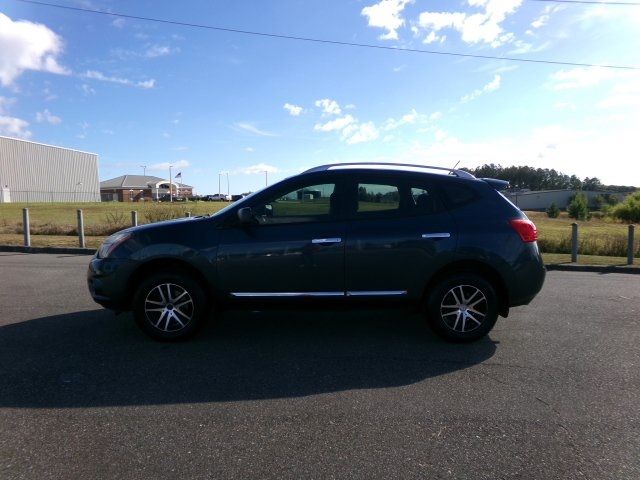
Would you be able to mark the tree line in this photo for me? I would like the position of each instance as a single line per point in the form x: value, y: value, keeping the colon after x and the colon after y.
x: 543, y: 179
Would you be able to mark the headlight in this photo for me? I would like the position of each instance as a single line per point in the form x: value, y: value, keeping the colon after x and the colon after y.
x: 110, y: 244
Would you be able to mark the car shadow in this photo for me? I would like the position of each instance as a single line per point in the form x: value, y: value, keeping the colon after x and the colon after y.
x: 94, y: 358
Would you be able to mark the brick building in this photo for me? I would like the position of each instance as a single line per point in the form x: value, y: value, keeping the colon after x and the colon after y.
x: 136, y: 188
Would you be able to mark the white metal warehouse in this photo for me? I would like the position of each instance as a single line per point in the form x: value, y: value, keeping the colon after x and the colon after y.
x: 34, y: 172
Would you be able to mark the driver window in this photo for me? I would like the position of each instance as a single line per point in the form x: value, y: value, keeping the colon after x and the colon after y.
x: 306, y: 204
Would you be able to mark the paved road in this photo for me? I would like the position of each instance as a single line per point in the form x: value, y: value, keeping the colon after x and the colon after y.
x: 553, y: 393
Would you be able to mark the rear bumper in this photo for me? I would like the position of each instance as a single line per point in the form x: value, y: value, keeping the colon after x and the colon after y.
x: 528, y: 278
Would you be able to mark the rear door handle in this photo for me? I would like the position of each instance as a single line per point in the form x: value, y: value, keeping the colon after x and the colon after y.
x: 436, y: 235
x: 326, y: 241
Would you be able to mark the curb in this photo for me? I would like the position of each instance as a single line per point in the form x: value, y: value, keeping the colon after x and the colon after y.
x: 63, y: 250
x: 593, y: 268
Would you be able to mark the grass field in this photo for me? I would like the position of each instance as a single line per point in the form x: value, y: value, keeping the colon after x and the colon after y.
x: 54, y: 224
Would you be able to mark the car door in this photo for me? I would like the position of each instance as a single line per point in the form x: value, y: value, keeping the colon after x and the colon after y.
x: 397, y: 236
x: 294, y: 248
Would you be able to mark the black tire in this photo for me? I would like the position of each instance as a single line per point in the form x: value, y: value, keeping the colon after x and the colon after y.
x: 469, y: 318
x: 183, y: 313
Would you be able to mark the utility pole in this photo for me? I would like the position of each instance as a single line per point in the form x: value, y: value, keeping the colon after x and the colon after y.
x: 170, y: 185
x: 219, y: 190
x: 144, y: 171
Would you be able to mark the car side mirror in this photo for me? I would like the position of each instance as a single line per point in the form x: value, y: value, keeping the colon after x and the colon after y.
x: 246, y: 216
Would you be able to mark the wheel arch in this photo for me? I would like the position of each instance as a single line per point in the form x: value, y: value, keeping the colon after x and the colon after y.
x: 476, y: 267
x: 160, y: 265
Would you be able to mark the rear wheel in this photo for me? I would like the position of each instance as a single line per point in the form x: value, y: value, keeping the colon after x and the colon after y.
x: 462, y: 308
x: 169, y: 306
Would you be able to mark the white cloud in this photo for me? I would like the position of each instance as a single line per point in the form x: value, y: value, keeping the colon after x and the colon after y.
x: 336, y: 124
x: 155, y: 51
x: 27, y: 46
x: 249, y: 149
x: 294, y: 110
x: 96, y: 75
x: 164, y: 166
x: 492, y: 86
x: 329, y: 107
x: 48, y: 117
x: 625, y: 94
x: 581, y: 77
x: 258, y: 168
x: 564, y: 106
x: 249, y: 127
x: 410, y: 118
x: 5, y: 103
x: 87, y: 89
x: 360, y: 132
x: 14, y: 127
x: 386, y: 14
x: 483, y: 27
x: 119, y: 22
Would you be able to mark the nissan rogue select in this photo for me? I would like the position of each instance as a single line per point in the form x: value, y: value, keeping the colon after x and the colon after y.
x: 439, y: 239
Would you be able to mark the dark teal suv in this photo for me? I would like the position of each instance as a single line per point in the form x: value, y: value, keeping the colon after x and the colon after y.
x: 439, y: 239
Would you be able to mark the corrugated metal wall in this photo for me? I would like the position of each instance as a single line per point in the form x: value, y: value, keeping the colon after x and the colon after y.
x: 42, y: 173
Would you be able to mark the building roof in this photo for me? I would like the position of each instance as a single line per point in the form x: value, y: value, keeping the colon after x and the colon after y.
x: 137, y: 181
x: 46, y: 145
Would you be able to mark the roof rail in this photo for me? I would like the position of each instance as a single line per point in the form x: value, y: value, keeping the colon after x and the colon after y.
x: 451, y: 171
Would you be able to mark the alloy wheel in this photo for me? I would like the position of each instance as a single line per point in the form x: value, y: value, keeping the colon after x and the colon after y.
x: 169, y: 307
x: 464, y: 308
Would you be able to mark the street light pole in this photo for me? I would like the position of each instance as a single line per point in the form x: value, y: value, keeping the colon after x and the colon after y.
x: 144, y: 170
x: 266, y: 178
x: 170, y: 185
x: 228, y: 189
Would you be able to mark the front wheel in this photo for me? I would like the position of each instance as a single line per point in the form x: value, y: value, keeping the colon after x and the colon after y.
x: 462, y: 308
x: 169, y: 306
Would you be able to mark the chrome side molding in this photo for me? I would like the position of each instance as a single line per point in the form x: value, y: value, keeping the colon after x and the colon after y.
x: 358, y: 293
x: 436, y: 235
x: 286, y: 294
x: 326, y: 241
x: 376, y: 293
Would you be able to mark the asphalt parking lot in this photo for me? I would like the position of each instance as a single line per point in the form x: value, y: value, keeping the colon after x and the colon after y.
x: 554, y: 392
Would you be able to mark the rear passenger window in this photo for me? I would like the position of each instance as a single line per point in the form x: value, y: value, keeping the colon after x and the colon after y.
x: 377, y: 197
x: 458, y: 195
x: 422, y: 201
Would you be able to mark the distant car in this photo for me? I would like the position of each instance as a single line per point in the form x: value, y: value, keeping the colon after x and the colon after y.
x: 452, y: 245
x: 219, y: 197
x: 165, y: 197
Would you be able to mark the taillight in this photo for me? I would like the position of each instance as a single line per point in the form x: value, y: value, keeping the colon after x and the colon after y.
x: 525, y: 228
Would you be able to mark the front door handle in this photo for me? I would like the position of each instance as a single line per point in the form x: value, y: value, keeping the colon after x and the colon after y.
x: 326, y: 241
x: 436, y: 235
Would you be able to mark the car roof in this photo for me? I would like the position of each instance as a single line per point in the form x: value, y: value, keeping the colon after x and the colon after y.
x: 386, y: 166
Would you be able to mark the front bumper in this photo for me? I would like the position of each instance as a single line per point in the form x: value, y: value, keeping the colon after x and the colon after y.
x: 108, y: 282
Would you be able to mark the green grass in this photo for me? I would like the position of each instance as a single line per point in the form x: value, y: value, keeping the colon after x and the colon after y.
x: 558, y: 258
x: 99, y: 218
x: 53, y: 224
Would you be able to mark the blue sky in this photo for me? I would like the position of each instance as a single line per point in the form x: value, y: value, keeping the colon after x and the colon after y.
x: 142, y: 93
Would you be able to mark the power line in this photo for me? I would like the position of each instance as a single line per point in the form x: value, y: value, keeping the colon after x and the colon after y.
x: 590, y: 2
x: 326, y: 41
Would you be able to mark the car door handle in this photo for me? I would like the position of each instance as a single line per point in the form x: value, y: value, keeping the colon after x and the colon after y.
x: 326, y: 241
x: 436, y: 235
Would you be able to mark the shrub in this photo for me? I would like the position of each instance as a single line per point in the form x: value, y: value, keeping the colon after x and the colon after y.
x: 629, y: 210
x: 163, y: 211
x: 578, y: 208
x: 553, y: 211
